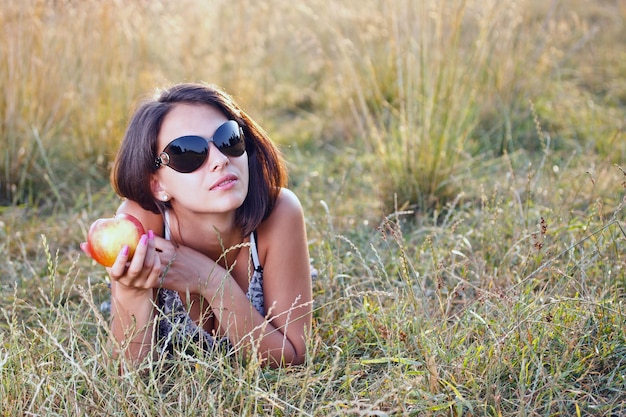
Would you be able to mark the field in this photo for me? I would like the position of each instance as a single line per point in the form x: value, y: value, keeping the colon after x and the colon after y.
x: 462, y: 165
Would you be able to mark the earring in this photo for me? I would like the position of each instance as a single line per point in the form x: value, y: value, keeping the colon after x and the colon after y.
x: 165, y: 198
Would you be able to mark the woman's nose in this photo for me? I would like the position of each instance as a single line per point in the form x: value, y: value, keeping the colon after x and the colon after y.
x: 217, y: 159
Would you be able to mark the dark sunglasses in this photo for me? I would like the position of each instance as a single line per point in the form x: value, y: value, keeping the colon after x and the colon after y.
x: 188, y: 153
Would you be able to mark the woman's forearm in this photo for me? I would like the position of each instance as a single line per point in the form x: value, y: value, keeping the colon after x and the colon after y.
x: 247, y: 329
x: 132, y: 315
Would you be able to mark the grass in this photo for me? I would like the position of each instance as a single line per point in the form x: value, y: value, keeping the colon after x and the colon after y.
x: 486, y: 279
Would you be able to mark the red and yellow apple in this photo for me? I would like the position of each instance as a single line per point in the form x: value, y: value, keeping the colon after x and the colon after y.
x: 107, y: 237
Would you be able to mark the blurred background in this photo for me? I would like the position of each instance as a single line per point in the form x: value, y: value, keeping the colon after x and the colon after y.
x: 381, y: 103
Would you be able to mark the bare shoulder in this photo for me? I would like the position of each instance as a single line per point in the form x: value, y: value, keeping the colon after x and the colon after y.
x: 150, y: 220
x: 287, y: 207
x: 286, y: 218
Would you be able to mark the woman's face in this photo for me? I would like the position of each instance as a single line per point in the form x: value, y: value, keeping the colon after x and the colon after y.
x: 220, y: 185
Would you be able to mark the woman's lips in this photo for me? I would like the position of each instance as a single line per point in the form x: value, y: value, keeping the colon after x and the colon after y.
x: 224, y: 183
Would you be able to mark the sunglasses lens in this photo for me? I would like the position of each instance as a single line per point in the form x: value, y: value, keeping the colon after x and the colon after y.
x: 187, y: 153
x: 229, y: 139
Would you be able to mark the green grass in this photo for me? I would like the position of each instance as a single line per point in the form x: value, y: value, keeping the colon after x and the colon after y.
x: 486, y: 279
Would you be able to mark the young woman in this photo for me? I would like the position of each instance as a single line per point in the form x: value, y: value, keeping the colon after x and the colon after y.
x: 225, y: 259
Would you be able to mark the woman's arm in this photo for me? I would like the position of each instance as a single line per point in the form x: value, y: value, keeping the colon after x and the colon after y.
x: 287, y: 279
x: 132, y: 298
x: 132, y: 294
x: 132, y: 287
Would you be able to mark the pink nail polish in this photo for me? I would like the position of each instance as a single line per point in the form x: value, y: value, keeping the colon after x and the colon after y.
x: 144, y: 240
x: 125, y: 250
x: 150, y: 234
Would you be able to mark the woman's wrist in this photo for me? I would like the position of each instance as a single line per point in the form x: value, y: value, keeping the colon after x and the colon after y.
x: 123, y: 293
x: 218, y: 280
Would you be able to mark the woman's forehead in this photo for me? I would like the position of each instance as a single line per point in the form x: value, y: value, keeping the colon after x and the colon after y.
x: 190, y: 119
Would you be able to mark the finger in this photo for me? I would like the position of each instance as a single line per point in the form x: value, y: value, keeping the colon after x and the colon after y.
x: 154, y: 278
x: 85, y: 247
x: 119, y: 266
x: 165, y: 246
x: 141, y: 257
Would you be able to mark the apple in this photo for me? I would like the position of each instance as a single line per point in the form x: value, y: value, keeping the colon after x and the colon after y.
x: 107, y: 237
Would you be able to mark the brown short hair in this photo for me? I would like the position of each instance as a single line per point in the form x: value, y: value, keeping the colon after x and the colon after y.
x: 135, y: 159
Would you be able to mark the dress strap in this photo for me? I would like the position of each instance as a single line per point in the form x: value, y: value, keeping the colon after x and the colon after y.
x: 166, y: 232
x: 255, y: 253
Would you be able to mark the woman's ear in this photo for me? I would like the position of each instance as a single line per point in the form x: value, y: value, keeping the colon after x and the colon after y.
x: 158, y: 192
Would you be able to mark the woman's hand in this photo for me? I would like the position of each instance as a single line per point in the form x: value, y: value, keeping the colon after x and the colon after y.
x: 140, y: 273
x: 184, y: 269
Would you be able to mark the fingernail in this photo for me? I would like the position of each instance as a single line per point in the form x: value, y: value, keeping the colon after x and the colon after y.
x: 125, y: 250
x: 150, y: 234
x: 144, y: 240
